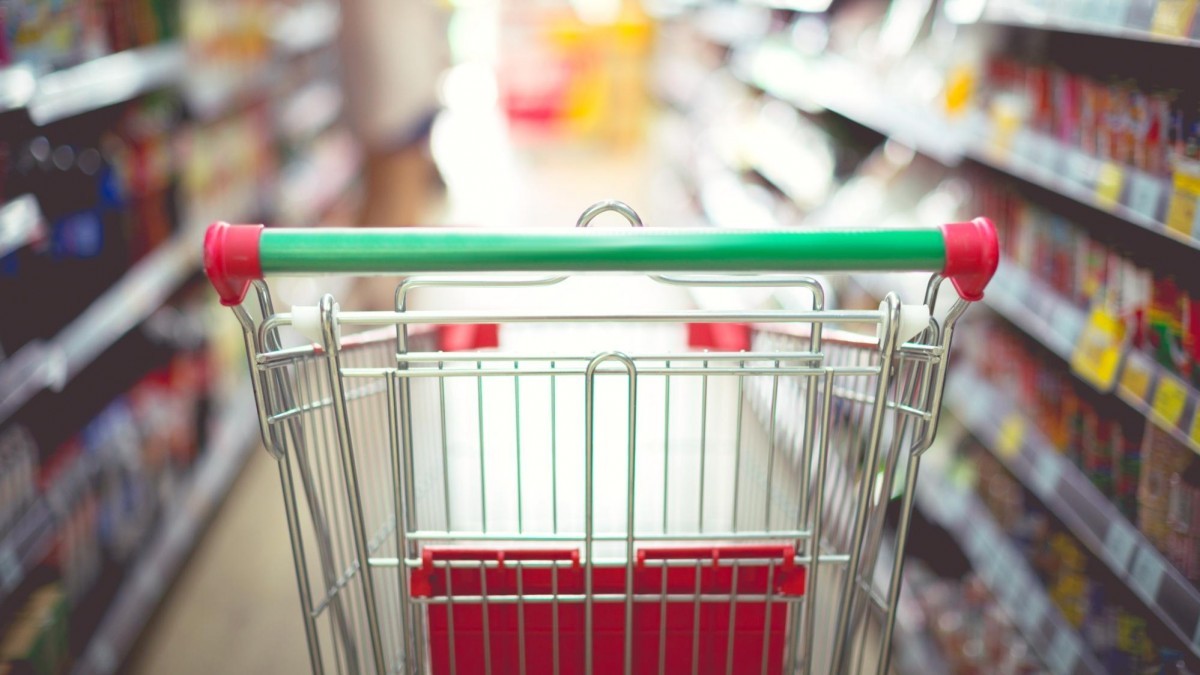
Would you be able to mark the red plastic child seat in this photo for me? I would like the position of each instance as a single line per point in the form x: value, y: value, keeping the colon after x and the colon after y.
x: 758, y: 632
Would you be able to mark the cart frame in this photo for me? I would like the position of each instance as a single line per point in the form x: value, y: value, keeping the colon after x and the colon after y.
x: 346, y: 419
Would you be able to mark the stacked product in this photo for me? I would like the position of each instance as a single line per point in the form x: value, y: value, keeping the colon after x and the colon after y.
x: 49, y: 36
x: 1098, y: 605
x: 1160, y: 308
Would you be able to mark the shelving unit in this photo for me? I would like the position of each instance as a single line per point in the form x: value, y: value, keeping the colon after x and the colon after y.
x: 20, y: 223
x: 233, y: 438
x: 1027, y: 15
x: 1163, y: 398
x: 107, y: 80
x: 298, y: 33
x: 1139, y: 200
x: 1133, y: 196
x: 143, y: 289
x: 1068, y: 493
x: 91, y: 85
x: 1004, y: 571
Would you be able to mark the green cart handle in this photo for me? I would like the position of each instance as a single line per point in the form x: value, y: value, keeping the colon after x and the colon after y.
x: 234, y: 255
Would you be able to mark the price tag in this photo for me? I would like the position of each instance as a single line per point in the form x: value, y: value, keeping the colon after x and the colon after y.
x: 1016, y: 286
x: 1147, y: 574
x: 1097, y: 354
x: 1005, y: 127
x: 1029, y: 612
x: 1146, y: 194
x: 1043, y: 305
x: 1119, y: 543
x: 1170, y: 399
x: 1046, y: 152
x: 1069, y: 323
x: 979, y: 541
x: 1141, y: 14
x: 1182, y: 211
x: 1117, y: 11
x: 1136, y: 377
x: 1012, y: 590
x: 10, y: 569
x: 1022, y: 145
x: 1081, y: 168
x: 1173, y: 17
x: 1063, y: 653
x: 1047, y: 470
x: 1011, y: 436
x: 1109, y: 181
x: 979, y: 402
x: 1195, y: 433
x: 102, y: 657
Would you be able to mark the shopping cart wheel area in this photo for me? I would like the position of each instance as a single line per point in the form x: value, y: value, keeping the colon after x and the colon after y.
x: 669, y: 491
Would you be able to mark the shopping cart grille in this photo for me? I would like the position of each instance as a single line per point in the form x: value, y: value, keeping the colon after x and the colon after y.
x: 484, y: 452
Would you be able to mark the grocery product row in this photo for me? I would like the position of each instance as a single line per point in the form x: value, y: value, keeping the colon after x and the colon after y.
x: 1083, y: 380
x: 78, y: 58
x: 1063, y: 111
x: 127, y: 127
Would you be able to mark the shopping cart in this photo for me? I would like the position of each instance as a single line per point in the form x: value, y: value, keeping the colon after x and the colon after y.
x: 678, y: 491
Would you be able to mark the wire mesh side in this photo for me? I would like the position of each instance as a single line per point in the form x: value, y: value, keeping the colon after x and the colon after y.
x: 728, y: 449
x: 317, y: 501
x: 905, y: 418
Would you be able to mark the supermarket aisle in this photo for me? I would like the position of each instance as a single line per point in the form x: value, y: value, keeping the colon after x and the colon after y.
x: 234, y: 607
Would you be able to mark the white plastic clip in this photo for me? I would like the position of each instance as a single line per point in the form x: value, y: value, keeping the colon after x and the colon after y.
x: 913, y: 320
x: 306, y: 319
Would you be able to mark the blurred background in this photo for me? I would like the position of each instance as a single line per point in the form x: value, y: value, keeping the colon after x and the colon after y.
x: 1058, y: 521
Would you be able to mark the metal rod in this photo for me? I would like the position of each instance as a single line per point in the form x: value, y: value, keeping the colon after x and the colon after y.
x: 350, y: 474
x: 814, y: 570
x: 589, y: 488
x: 841, y: 636
x: 295, y: 537
x: 398, y: 496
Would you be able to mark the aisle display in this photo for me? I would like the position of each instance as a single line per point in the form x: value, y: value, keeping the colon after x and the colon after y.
x: 122, y: 408
x: 1060, y: 532
x: 1082, y: 389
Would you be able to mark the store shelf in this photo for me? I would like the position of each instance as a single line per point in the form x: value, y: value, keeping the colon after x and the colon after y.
x: 1131, y: 195
x: 1163, y: 398
x: 24, y: 545
x: 21, y: 222
x: 993, y: 419
x: 1122, y: 191
x: 97, y: 83
x: 310, y: 110
x: 1017, y: 589
x: 52, y: 363
x: 309, y: 187
x: 308, y: 26
x: 820, y: 84
x: 1036, y: 309
x: 18, y: 84
x: 182, y: 523
x: 915, y: 653
x: 1025, y: 15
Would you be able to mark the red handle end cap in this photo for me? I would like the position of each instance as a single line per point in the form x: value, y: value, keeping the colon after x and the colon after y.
x: 231, y: 259
x: 972, y: 255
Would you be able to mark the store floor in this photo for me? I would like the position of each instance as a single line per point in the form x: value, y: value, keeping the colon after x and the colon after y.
x: 234, y: 608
